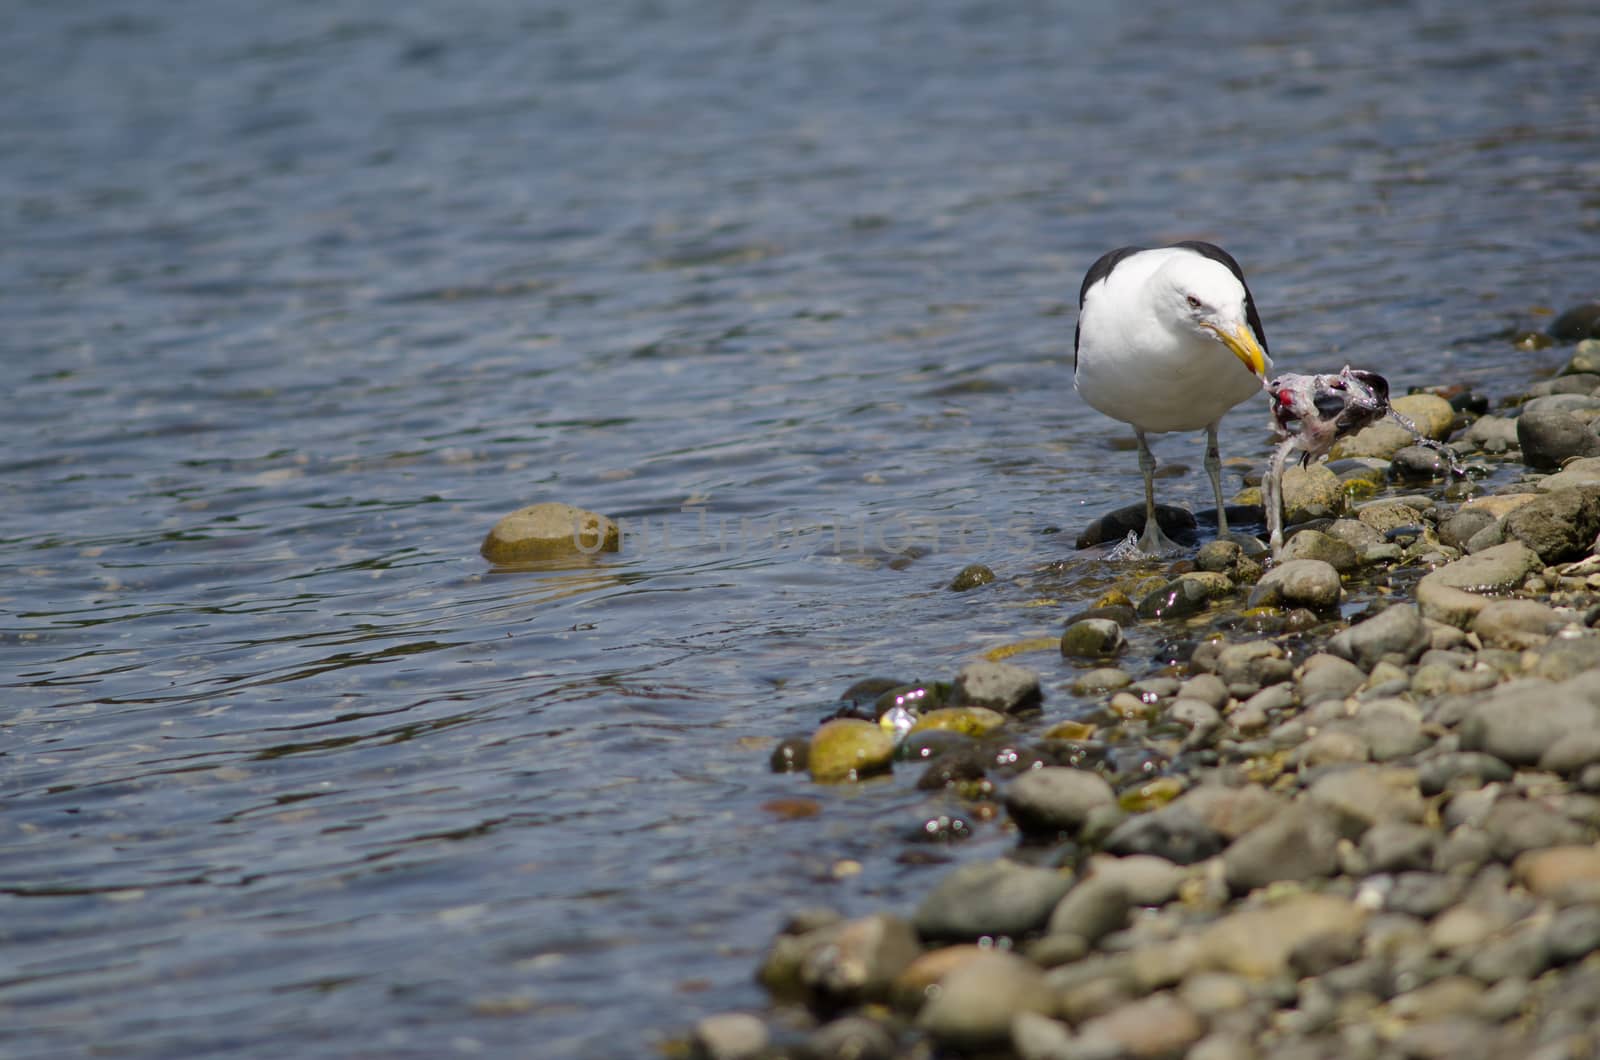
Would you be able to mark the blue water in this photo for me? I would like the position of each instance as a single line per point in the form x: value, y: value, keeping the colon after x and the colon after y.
x: 297, y: 299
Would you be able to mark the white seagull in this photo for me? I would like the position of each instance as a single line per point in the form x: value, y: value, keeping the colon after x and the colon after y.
x: 1168, y: 340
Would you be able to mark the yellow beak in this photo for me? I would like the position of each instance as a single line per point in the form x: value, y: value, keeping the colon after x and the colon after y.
x: 1242, y: 341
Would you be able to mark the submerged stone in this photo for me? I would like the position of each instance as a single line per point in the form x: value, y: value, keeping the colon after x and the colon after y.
x: 1093, y: 638
x: 549, y: 531
x: 849, y: 749
x: 971, y: 576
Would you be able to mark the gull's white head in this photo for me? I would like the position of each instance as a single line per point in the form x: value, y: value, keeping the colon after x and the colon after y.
x: 1198, y: 296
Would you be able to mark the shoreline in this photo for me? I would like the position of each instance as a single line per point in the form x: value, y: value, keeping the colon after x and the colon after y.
x: 1353, y: 813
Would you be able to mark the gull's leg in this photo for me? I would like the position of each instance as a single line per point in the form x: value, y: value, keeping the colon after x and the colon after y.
x: 1152, y: 542
x: 1214, y: 469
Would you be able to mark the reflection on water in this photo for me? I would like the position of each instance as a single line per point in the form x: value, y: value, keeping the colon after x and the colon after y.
x: 299, y: 300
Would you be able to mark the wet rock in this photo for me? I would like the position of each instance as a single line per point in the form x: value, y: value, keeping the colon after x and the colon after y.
x: 1056, y: 799
x: 1389, y: 515
x: 549, y: 531
x: 977, y: 1002
x: 967, y: 721
x: 790, y: 755
x: 1218, y: 556
x: 1093, y: 638
x: 1186, y: 595
x: 1549, y: 436
x: 1448, y: 594
x: 990, y: 898
x: 1152, y: 1028
x: 729, y: 1036
x: 1580, y: 322
x: 1257, y: 943
x: 1173, y: 832
x: 1520, y: 723
x: 1490, y: 434
x: 1114, y: 526
x: 1298, y: 583
x: 1584, y: 471
x: 849, y: 749
x: 1558, y: 526
x: 1313, y: 544
x: 1396, y: 634
x: 1099, y: 680
x: 1586, y: 358
x: 852, y: 1037
x: 1311, y: 493
x: 1300, y: 843
x: 1516, y: 624
x: 1093, y: 909
x: 971, y: 576
x: 837, y: 962
x: 952, y: 768
x: 998, y: 686
x: 1381, y: 440
x: 870, y: 689
x: 1431, y: 414
x: 1418, y: 463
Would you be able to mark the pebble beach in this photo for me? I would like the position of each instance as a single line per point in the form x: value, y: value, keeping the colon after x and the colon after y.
x: 1347, y: 809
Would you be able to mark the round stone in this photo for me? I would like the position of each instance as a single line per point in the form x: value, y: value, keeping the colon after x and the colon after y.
x: 549, y: 531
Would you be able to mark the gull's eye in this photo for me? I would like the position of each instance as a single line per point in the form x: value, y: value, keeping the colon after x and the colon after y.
x: 1194, y: 303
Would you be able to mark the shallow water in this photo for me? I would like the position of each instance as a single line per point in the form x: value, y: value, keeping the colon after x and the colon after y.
x: 297, y: 300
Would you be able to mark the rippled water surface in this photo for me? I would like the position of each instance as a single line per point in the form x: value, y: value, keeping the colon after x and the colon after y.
x: 296, y: 299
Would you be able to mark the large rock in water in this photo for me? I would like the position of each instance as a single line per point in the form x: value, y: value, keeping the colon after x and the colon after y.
x: 550, y: 530
x: 1177, y: 523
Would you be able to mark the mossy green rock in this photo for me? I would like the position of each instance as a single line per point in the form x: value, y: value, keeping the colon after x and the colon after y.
x: 972, y: 576
x: 1093, y: 638
x: 970, y: 721
x: 549, y: 530
x: 849, y: 749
